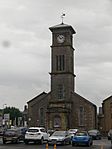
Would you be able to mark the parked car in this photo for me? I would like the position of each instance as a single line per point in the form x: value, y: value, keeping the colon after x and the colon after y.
x: 50, y: 131
x: 36, y: 134
x: 95, y: 134
x: 60, y: 137
x: 12, y: 135
x: 109, y: 134
x: 72, y: 132
x: 22, y: 131
x: 82, y: 138
x: 1, y: 132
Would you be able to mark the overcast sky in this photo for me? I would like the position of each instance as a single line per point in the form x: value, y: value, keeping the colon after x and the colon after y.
x: 25, y: 42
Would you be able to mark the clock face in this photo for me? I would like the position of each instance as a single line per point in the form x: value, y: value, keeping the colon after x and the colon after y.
x: 60, y: 38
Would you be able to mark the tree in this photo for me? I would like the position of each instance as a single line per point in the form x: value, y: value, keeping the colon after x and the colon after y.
x: 14, y: 113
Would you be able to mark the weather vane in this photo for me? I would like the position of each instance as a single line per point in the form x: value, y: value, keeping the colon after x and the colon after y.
x: 62, y: 17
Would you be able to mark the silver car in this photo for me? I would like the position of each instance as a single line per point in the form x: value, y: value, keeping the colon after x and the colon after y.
x: 60, y: 137
x: 109, y: 134
x: 95, y: 134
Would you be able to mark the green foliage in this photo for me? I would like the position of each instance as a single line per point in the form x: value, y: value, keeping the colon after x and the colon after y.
x: 14, y: 112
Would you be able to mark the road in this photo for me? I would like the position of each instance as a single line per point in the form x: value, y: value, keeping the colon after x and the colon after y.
x: 97, y: 144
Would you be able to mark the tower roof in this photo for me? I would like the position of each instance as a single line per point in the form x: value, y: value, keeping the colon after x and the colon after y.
x: 62, y: 25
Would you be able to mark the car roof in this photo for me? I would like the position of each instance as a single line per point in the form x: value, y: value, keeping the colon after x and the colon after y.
x: 81, y: 131
x: 36, y: 128
x: 93, y: 130
x: 60, y: 131
x: 73, y: 129
x: 110, y: 130
x: 11, y: 129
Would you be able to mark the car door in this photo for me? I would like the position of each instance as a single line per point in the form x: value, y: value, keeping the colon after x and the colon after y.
x: 67, y: 137
x: 45, y: 134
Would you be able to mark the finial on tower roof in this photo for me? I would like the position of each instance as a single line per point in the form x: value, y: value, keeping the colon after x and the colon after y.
x: 62, y: 17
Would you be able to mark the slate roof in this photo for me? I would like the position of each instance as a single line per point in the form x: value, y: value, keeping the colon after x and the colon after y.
x: 62, y: 25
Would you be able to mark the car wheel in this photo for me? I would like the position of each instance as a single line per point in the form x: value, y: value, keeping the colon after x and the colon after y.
x: 73, y: 144
x: 42, y: 140
x: 69, y: 142
x: 26, y: 142
x: 4, y: 142
x: 17, y: 140
x: 109, y: 138
x: 63, y: 143
x: 35, y: 142
x: 97, y: 138
x: 89, y: 143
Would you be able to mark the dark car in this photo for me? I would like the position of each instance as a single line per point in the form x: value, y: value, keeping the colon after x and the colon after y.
x: 12, y: 135
x: 82, y: 138
x: 95, y: 134
x: 1, y: 132
x: 22, y: 132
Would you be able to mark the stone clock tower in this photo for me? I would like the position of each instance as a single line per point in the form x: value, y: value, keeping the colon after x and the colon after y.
x: 62, y: 76
x: 62, y: 108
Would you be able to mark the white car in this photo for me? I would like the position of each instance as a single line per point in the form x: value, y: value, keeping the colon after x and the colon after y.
x: 36, y: 134
x: 72, y: 132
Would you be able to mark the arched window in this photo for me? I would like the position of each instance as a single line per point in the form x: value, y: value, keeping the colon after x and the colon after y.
x: 42, y: 117
x: 60, y: 91
x: 57, y: 121
x: 81, y: 116
x: 60, y: 62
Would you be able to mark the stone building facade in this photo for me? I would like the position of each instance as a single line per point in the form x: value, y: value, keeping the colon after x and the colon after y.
x: 62, y: 107
x: 105, y: 118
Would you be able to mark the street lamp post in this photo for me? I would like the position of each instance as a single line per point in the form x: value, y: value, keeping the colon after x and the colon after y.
x: 3, y: 120
x: 29, y: 121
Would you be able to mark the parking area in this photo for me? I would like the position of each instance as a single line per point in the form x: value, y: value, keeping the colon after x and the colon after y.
x: 97, y: 144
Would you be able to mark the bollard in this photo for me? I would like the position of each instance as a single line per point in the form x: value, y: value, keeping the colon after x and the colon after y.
x: 102, y: 146
x: 47, y: 146
x: 54, y: 146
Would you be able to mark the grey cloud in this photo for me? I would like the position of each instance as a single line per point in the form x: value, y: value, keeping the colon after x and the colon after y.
x: 25, y: 62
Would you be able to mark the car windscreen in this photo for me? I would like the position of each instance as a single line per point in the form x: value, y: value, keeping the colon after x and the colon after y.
x: 42, y: 130
x: 59, y: 133
x: 10, y: 132
x: 92, y: 132
x: 81, y: 134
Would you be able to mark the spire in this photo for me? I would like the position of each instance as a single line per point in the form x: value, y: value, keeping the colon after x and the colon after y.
x: 62, y: 17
